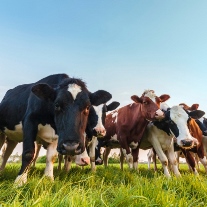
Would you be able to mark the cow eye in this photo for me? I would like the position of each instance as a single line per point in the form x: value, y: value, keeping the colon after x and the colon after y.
x: 86, y: 111
x: 57, y: 107
x: 145, y: 102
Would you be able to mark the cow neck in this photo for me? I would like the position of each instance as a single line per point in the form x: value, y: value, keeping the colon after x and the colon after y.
x: 195, y: 131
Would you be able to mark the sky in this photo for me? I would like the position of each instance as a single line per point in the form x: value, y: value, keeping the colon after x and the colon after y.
x: 124, y: 47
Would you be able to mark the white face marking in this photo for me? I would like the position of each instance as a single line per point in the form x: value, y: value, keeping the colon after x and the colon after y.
x: 150, y: 94
x: 74, y: 89
x: 47, y: 133
x: 99, y: 127
x: 180, y: 118
x: 17, y: 134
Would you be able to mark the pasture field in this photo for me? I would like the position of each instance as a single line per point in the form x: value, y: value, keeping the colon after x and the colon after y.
x: 106, y: 187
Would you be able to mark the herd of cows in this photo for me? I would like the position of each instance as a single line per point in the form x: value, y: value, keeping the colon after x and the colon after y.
x: 62, y: 115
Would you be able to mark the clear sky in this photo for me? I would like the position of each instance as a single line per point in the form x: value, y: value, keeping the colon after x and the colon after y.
x: 122, y: 46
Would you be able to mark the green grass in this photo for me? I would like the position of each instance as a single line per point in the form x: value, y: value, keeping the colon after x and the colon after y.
x: 106, y: 187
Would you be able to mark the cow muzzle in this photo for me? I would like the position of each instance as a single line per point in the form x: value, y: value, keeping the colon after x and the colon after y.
x: 187, y: 144
x: 69, y: 148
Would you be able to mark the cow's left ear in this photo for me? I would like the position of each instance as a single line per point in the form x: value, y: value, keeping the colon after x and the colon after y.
x: 112, y: 106
x: 44, y: 92
x: 197, y: 114
x: 99, y: 97
x: 164, y: 97
x: 136, y: 99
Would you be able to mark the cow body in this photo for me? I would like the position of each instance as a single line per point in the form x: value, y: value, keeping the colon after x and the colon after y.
x: 54, y: 112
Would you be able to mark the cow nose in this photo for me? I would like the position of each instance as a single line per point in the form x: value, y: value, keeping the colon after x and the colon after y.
x: 71, y: 148
x: 100, y: 131
x: 186, y: 143
x: 159, y: 114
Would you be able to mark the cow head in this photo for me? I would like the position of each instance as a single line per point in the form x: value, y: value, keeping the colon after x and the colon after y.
x: 151, y: 104
x: 96, y: 120
x: 200, y: 120
x: 180, y: 123
x: 71, y: 106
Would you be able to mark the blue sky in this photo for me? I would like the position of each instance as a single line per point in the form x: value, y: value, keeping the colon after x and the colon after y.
x: 123, y: 46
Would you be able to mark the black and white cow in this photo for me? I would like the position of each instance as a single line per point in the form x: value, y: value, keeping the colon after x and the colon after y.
x: 53, y: 111
x: 95, y: 131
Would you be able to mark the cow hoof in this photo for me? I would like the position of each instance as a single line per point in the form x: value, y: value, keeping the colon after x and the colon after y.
x: 20, y: 180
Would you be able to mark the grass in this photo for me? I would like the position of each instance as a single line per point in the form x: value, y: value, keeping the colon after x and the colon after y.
x: 106, y: 187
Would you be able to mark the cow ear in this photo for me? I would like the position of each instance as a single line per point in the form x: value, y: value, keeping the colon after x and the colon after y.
x: 194, y: 106
x: 197, y: 114
x: 136, y: 99
x: 99, y: 97
x: 112, y: 106
x: 44, y: 92
x: 164, y: 97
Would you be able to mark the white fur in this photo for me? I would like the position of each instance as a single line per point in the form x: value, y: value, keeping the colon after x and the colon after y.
x: 180, y: 117
x: 115, y: 114
x: 99, y: 127
x: 74, y: 89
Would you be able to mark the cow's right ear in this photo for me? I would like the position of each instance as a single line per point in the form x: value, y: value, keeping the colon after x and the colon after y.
x: 44, y: 92
x: 136, y: 99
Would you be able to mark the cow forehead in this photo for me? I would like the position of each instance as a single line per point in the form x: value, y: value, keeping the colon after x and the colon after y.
x: 74, y: 89
x: 150, y: 94
x: 178, y: 113
x: 98, y: 109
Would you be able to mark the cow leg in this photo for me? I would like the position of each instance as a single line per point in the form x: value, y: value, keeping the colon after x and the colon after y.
x: 173, y: 162
x: 201, y: 156
x: 106, y: 155
x: 92, y: 147
x: 154, y: 159
x: 190, y: 160
x: 135, y: 153
x: 2, y: 139
x: 9, y: 147
x: 50, y: 159
x: 60, y: 158
x: 149, y: 158
x: 121, y: 160
x: 126, y: 151
x: 197, y: 161
x: 67, y: 163
x: 163, y: 159
x: 37, y: 151
x: 29, y: 132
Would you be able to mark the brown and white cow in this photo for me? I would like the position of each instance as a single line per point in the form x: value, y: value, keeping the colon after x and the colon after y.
x: 197, y: 131
x: 127, y: 124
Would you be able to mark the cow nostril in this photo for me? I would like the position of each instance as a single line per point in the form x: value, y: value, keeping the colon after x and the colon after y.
x: 186, y: 143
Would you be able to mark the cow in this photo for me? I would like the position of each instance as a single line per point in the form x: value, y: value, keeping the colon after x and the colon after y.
x: 160, y: 135
x: 53, y: 111
x: 94, y: 132
x: 128, y: 123
x: 198, y: 130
